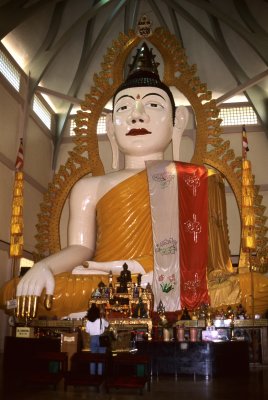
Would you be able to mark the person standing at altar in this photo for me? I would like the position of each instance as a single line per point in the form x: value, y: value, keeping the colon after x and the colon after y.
x: 95, y: 326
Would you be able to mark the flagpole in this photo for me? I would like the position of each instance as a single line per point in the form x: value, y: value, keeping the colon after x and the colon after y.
x: 13, y: 267
x: 248, y: 241
x: 16, y: 226
x: 248, y: 224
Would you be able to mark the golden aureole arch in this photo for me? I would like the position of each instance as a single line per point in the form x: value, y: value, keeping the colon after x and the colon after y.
x: 210, y: 147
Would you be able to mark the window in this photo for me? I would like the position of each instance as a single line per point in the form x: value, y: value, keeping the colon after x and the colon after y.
x: 25, y: 262
x: 42, y: 112
x: 72, y: 127
x: 25, y: 265
x: 240, y: 115
x: 9, y: 71
x: 101, y: 127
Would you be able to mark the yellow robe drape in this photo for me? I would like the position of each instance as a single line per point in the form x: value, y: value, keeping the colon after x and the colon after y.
x: 124, y: 232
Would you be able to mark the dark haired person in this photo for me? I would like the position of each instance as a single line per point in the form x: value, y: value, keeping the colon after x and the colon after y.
x: 95, y: 326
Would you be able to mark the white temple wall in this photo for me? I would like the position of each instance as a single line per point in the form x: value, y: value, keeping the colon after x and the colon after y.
x: 5, y: 275
x: 38, y: 150
x: 6, y: 178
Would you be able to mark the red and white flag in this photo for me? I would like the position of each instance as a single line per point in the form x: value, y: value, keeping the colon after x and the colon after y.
x: 245, y: 142
x: 19, y: 160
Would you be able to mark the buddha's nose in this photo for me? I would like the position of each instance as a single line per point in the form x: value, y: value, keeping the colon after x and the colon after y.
x: 138, y: 114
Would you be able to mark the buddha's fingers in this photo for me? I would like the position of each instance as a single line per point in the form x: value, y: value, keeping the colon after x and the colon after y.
x: 32, y: 306
x: 48, y: 301
x: 18, y: 306
x: 26, y: 306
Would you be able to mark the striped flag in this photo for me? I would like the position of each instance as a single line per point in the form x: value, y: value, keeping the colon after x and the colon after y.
x: 245, y: 142
x: 16, y: 223
x: 19, y: 160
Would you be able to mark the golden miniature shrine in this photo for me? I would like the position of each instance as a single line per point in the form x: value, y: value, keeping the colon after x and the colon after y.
x: 126, y: 304
x: 125, y: 298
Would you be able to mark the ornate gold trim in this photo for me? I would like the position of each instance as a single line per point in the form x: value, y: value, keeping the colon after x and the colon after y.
x: 210, y: 147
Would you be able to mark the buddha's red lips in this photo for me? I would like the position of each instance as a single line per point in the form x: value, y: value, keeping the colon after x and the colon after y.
x: 137, y: 132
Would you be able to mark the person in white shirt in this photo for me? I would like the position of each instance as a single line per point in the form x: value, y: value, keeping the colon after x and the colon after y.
x: 95, y: 326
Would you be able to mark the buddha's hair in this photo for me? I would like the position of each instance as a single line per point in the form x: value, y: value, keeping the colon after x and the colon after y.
x: 146, y: 79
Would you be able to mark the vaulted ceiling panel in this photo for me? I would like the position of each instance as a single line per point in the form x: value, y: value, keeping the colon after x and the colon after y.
x: 62, y: 42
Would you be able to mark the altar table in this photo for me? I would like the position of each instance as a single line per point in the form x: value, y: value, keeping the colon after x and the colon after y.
x: 207, y: 359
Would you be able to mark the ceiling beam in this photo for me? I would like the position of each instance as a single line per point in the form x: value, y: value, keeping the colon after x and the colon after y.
x: 52, y: 30
x: 54, y: 93
x: 130, y: 14
x: 14, y: 12
x: 82, y: 71
x: 175, y: 25
x: 40, y: 64
x: 258, y: 40
x: 247, y: 17
x: 158, y: 13
x: 255, y: 95
x: 242, y: 87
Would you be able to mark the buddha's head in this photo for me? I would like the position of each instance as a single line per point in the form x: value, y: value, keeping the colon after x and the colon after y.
x: 143, y: 109
x: 143, y: 73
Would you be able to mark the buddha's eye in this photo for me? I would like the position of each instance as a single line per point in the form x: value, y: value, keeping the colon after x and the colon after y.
x: 123, y: 108
x: 153, y: 105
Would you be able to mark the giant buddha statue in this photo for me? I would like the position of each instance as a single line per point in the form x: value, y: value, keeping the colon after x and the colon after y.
x: 156, y: 216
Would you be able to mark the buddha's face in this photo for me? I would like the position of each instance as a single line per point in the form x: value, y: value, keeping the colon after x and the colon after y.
x: 142, y: 120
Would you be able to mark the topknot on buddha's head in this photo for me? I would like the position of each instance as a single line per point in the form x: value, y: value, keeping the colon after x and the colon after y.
x: 143, y: 72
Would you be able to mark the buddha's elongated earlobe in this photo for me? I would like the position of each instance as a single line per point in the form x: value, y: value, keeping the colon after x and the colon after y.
x: 181, y: 120
x: 111, y: 137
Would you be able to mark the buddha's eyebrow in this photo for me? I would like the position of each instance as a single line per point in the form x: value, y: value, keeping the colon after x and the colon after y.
x: 125, y: 95
x: 154, y: 94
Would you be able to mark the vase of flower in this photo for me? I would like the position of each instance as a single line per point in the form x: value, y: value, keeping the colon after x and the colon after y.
x: 180, y: 333
x: 193, y: 334
x: 166, y: 335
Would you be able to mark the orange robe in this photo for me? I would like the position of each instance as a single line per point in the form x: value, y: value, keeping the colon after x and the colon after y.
x: 124, y: 232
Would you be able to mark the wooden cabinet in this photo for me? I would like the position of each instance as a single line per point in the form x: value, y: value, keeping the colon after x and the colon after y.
x: 197, y: 358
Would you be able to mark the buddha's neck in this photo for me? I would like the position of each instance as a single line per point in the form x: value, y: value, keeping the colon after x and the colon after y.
x: 138, y: 162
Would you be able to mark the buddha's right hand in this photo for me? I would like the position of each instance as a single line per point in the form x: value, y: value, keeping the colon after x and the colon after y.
x: 30, y: 287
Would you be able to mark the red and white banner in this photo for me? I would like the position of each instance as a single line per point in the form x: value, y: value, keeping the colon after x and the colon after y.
x: 244, y: 142
x: 19, y: 160
x: 179, y: 209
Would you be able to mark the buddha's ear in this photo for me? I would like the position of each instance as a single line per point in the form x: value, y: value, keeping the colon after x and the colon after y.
x: 180, y: 123
x: 111, y: 137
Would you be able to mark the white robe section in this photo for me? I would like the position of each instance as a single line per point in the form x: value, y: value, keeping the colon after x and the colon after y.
x: 163, y: 191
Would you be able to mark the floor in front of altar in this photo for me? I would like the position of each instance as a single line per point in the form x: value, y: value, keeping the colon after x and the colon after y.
x: 254, y: 386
